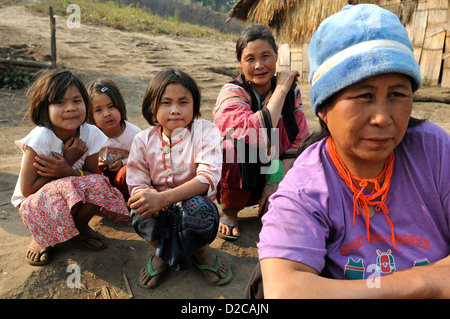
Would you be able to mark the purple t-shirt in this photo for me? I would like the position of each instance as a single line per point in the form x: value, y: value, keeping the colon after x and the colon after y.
x: 310, y: 218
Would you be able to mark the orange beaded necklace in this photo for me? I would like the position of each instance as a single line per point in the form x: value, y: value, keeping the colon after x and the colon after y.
x: 361, y: 201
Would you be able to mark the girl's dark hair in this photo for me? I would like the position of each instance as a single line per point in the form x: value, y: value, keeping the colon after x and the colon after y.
x: 251, y: 33
x: 110, y: 88
x: 157, y: 86
x: 49, y: 87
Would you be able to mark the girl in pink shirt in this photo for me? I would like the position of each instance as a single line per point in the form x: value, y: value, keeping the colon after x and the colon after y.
x: 173, y: 170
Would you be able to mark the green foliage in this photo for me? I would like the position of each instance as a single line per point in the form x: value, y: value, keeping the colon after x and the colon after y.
x: 176, y: 16
x: 218, y: 5
x: 131, y: 17
x: 195, y: 12
x: 8, y: 2
x: 14, y: 78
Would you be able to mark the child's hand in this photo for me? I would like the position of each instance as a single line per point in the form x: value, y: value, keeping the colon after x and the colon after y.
x: 147, y: 202
x: 74, y: 149
x: 115, y: 166
x: 53, y: 167
x: 102, y: 163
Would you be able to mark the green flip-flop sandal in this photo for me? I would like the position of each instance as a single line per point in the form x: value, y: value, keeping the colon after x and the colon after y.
x: 152, y: 272
x: 215, y: 270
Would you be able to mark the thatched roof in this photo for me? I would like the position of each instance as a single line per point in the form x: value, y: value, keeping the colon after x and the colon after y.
x: 295, y: 21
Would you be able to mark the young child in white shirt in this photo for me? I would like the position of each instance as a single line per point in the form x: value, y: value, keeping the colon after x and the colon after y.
x: 108, y: 112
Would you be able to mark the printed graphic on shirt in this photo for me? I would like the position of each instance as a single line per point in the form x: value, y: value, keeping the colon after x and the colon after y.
x: 385, y: 262
x: 354, y: 270
x: 374, y: 237
x: 421, y: 262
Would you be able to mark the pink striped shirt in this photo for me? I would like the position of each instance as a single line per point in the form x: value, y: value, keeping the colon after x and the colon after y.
x: 233, y: 115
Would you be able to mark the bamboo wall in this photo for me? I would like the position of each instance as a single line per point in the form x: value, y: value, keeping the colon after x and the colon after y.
x: 428, y: 25
x: 294, y: 58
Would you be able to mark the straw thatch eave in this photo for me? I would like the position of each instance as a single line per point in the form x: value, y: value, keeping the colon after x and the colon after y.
x: 295, y: 21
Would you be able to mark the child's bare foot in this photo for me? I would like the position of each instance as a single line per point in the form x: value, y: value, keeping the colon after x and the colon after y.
x: 228, y: 225
x: 212, y: 267
x: 35, y: 255
x: 152, y: 275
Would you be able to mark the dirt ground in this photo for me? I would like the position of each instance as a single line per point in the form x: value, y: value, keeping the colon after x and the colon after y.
x: 130, y: 59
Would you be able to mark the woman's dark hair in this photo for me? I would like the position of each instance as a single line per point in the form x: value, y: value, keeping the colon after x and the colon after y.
x: 110, y: 88
x: 158, y: 85
x: 49, y: 87
x: 251, y: 33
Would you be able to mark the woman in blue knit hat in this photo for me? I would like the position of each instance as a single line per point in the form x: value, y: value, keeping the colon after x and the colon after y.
x: 368, y: 200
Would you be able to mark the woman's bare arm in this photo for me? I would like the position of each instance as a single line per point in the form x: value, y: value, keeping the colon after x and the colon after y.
x: 289, y: 279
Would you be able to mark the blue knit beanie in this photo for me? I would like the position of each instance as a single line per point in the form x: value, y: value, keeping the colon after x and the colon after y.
x: 358, y: 42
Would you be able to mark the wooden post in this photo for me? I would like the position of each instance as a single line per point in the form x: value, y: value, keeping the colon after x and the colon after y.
x: 53, y: 36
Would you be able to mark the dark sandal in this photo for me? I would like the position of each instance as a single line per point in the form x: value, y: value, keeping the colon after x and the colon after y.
x: 225, y: 236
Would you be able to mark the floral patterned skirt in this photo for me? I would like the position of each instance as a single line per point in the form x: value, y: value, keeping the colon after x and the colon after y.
x: 48, y: 212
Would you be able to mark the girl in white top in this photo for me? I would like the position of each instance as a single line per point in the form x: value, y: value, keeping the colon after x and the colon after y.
x: 108, y: 112
x: 58, y: 190
x: 173, y: 171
